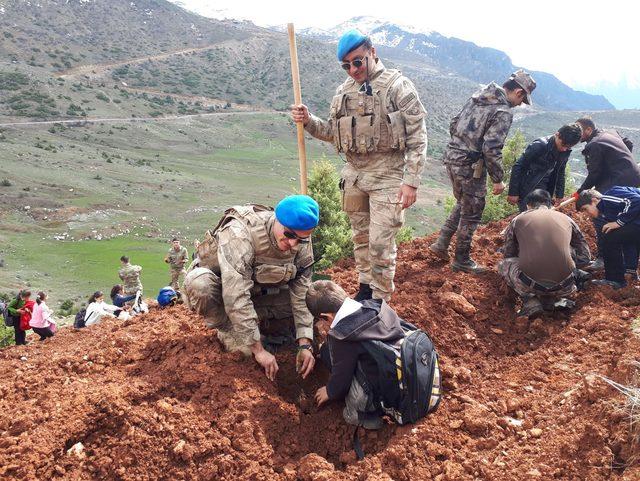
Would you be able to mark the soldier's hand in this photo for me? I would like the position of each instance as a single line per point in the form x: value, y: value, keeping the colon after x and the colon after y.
x: 268, y: 362
x: 300, y: 113
x: 513, y: 199
x: 305, y: 362
x: 407, y: 195
x: 498, y: 188
x: 321, y: 396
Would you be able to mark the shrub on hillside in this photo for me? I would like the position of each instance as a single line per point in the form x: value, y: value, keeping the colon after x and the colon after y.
x: 332, y: 238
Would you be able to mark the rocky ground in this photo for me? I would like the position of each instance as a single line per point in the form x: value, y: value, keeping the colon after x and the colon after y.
x: 156, y: 398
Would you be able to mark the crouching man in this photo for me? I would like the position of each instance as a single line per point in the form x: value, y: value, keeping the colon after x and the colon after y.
x: 618, y: 211
x: 539, y: 249
x: 253, y: 267
x: 366, y: 348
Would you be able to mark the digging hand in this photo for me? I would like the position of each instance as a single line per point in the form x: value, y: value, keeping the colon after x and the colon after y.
x: 267, y: 361
x: 321, y: 396
x: 304, y: 362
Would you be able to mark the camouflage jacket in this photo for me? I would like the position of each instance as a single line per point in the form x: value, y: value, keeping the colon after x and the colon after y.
x: 247, y: 269
x: 481, y: 127
x: 177, y: 259
x: 130, y: 276
x: 392, y: 142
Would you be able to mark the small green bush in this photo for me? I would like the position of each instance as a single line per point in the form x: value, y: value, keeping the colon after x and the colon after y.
x: 332, y: 238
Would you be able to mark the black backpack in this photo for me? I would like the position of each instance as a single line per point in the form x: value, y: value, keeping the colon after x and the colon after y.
x: 409, y: 383
x: 8, y: 319
x: 78, y: 322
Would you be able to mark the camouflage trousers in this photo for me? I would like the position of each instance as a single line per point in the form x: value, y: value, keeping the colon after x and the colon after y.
x: 510, y: 272
x: 132, y: 289
x: 203, y: 295
x: 465, y: 217
x: 376, y: 215
x: 176, y: 272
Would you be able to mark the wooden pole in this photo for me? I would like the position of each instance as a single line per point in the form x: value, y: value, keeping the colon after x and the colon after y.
x: 565, y: 203
x: 297, y: 96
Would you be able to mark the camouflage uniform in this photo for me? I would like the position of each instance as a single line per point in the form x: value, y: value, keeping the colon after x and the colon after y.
x: 130, y: 276
x: 177, y: 259
x: 384, y: 138
x: 241, y: 279
x: 479, y: 130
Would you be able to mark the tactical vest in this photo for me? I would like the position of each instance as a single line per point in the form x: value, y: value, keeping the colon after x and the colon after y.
x: 363, y: 123
x: 271, y: 267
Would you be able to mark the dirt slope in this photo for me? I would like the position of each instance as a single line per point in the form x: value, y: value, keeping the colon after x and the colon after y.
x: 156, y: 398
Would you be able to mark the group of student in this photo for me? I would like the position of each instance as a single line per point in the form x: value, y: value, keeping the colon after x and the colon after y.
x: 25, y: 313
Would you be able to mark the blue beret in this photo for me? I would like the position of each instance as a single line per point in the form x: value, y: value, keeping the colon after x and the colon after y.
x: 298, y: 212
x: 349, y: 41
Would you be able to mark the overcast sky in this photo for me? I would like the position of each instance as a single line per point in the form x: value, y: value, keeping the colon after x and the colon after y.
x: 582, y: 43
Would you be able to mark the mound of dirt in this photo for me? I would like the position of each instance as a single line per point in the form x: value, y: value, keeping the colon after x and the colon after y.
x: 156, y: 398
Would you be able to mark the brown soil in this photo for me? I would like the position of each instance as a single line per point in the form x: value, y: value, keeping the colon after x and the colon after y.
x: 157, y: 399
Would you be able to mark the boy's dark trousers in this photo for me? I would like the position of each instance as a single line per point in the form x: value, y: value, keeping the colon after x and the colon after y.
x: 629, y: 250
x: 617, y: 244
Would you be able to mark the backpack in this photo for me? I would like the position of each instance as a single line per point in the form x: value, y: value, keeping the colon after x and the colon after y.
x: 167, y: 296
x: 409, y: 382
x: 8, y: 319
x: 79, y: 321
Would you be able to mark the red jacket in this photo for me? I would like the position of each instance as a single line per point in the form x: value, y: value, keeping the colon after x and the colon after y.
x: 26, y: 317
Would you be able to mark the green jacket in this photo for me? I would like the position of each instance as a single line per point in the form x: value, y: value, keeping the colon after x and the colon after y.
x: 14, y: 305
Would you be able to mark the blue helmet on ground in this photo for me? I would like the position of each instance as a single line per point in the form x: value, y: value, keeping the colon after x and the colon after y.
x: 167, y: 296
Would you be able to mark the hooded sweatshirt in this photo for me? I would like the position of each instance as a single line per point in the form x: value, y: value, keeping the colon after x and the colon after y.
x: 481, y: 127
x: 373, y: 320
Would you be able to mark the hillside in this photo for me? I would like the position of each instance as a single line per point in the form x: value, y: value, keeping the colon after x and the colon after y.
x: 155, y: 398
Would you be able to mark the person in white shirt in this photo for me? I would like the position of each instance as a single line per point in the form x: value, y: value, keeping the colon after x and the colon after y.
x: 97, y: 310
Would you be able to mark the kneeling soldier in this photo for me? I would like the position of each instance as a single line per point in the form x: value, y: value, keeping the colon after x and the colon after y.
x: 255, y: 266
x: 539, y: 247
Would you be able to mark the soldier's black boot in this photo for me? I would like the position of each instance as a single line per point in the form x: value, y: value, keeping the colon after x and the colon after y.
x: 440, y: 247
x: 463, y: 261
x: 364, y: 293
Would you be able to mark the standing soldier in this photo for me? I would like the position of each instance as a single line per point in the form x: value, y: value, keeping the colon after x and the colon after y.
x: 130, y: 276
x: 255, y: 267
x: 377, y: 120
x: 176, y: 258
x: 478, y: 133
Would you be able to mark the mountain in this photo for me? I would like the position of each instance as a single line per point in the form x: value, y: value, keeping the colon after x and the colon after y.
x: 459, y: 57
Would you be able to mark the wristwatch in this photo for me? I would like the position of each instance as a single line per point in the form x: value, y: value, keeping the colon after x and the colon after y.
x: 308, y: 347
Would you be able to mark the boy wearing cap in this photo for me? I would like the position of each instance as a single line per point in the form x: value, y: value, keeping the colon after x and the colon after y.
x: 478, y: 133
x: 253, y: 267
x: 377, y: 120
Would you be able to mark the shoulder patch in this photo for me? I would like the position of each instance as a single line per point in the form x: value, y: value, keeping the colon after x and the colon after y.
x: 406, y: 100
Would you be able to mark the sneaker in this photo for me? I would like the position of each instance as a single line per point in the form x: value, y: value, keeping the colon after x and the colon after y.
x: 606, y: 282
x: 364, y: 293
x: 531, y: 308
x: 467, y: 266
x: 439, y: 250
x: 596, y: 265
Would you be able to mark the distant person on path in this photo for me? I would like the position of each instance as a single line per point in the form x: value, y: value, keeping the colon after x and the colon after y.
x: 543, y: 165
x: 376, y: 120
x: 42, y: 321
x: 130, y: 276
x: 177, y: 257
x: 119, y: 299
x: 253, y: 268
x: 539, y: 249
x: 98, y: 310
x: 609, y: 163
x: 478, y: 133
x: 618, y: 210
x: 16, y: 309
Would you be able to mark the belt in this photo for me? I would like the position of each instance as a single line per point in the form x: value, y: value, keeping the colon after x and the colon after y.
x: 539, y: 287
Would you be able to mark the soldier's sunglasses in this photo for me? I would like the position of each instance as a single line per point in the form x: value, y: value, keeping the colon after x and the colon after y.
x: 356, y: 62
x: 293, y: 236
